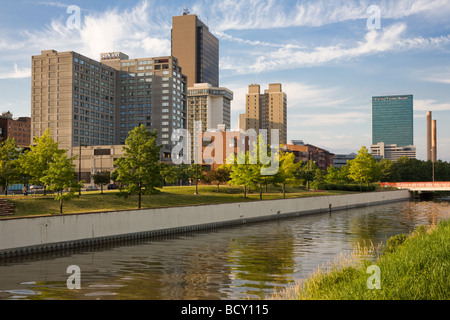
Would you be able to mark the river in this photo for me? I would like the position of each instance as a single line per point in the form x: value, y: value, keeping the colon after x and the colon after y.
x: 242, y: 262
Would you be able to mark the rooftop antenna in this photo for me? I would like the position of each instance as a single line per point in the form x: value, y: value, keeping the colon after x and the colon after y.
x: 186, y: 12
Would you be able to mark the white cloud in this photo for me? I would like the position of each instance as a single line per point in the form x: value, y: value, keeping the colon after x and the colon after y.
x: 269, y: 14
x: 388, y: 39
x: 16, y: 74
x: 430, y: 105
x: 132, y: 31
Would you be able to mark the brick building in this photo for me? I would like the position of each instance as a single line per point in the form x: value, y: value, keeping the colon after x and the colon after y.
x: 305, y: 152
x: 18, y: 129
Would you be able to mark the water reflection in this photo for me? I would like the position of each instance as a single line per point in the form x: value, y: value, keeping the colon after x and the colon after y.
x: 233, y: 263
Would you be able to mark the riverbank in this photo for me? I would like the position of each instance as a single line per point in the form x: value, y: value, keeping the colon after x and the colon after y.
x: 40, y: 205
x: 411, y: 267
x: 41, y: 234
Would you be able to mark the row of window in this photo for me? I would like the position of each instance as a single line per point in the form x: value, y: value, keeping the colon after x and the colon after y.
x: 92, y: 141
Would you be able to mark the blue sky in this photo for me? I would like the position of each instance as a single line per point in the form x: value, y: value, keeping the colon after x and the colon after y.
x: 323, y: 52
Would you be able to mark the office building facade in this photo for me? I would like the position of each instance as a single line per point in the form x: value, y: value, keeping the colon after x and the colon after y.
x: 266, y: 111
x: 392, y: 120
x: 196, y: 49
x: 151, y: 92
x: 392, y: 151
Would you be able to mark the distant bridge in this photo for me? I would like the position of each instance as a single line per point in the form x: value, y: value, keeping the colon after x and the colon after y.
x: 418, y: 186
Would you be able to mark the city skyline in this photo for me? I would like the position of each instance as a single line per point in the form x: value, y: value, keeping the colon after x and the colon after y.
x: 328, y: 56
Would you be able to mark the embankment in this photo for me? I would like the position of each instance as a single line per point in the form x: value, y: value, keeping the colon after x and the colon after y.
x: 23, y: 236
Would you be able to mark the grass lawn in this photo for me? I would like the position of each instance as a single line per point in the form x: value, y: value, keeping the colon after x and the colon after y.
x: 169, y: 197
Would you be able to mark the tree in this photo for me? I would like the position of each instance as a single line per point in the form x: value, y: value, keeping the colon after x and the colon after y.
x: 102, y: 179
x: 388, y: 172
x: 287, y: 171
x: 59, y: 177
x: 242, y: 173
x: 38, y: 159
x: 219, y: 176
x: 364, y: 168
x: 9, y: 163
x: 139, y: 170
x: 195, y: 173
x: 169, y: 173
x: 307, y: 172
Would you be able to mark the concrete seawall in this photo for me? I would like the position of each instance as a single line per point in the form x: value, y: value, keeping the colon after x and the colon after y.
x: 23, y: 236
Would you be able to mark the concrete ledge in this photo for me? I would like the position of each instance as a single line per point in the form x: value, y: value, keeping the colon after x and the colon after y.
x: 24, y: 236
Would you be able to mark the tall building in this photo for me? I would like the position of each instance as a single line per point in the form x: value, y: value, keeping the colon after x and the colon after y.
x: 75, y: 97
x: 196, y: 49
x: 209, y: 105
x: 150, y: 92
x: 392, y: 120
x: 266, y: 111
x: 18, y: 129
x: 393, y: 127
x: 86, y: 102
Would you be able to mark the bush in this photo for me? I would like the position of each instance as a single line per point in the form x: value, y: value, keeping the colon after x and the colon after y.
x: 342, y: 187
x: 394, y: 242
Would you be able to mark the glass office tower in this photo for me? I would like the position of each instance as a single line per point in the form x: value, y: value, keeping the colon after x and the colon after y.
x: 392, y: 120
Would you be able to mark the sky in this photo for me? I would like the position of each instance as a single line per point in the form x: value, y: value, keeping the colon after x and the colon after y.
x: 330, y: 56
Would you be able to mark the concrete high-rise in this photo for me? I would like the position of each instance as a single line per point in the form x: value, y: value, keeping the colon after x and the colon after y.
x: 196, y: 49
x: 266, y: 111
x: 87, y: 102
x: 73, y: 96
x: 209, y: 105
x: 150, y: 92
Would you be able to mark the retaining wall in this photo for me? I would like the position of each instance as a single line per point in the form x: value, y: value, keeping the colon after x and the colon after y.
x: 40, y: 234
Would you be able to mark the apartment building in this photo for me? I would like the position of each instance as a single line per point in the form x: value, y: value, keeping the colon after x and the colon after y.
x: 266, y: 110
x: 75, y: 97
x: 209, y: 105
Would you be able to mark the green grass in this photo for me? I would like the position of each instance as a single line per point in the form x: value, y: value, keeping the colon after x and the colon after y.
x: 169, y: 197
x: 415, y: 267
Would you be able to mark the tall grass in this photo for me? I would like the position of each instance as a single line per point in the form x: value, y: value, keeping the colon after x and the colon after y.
x: 413, y: 267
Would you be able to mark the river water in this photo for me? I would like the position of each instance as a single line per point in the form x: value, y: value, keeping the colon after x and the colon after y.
x: 243, y: 262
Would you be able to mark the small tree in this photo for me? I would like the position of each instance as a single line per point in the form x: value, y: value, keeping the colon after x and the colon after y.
x: 60, y: 177
x: 9, y: 163
x: 307, y: 172
x: 286, y: 173
x: 364, y: 168
x: 139, y: 169
x: 38, y: 159
x: 242, y: 173
x: 169, y: 173
x: 219, y: 176
x: 102, y: 179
